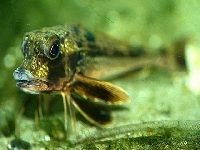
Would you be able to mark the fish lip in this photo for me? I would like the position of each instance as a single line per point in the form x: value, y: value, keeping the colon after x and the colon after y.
x: 22, y: 83
x: 28, y: 83
x: 24, y: 77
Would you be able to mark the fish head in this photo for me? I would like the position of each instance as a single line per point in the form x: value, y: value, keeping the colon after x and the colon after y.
x: 46, y: 65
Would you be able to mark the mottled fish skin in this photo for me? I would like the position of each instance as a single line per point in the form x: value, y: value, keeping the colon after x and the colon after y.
x: 79, y: 49
x: 37, y: 61
x: 69, y: 59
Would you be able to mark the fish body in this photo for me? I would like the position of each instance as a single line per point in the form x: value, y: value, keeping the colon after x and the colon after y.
x: 71, y: 60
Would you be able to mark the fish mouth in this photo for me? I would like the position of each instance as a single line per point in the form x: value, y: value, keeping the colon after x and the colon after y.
x: 28, y: 83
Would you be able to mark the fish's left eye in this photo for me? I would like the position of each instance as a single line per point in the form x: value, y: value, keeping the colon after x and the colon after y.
x: 54, y: 50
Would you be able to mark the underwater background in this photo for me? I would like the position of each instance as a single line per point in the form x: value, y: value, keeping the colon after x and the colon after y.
x: 164, y: 112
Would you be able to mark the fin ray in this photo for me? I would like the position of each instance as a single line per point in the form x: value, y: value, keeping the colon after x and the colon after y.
x: 96, y: 114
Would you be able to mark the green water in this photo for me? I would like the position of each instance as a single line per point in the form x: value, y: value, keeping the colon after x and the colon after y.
x: 158, y: 96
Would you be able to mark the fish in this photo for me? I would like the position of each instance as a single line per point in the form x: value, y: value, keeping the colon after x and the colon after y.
x: 72, y: 61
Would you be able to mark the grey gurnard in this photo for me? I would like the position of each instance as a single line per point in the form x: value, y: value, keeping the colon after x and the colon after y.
x: 70, y: 60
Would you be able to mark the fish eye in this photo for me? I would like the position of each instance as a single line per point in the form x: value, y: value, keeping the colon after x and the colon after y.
x: 54, y: 50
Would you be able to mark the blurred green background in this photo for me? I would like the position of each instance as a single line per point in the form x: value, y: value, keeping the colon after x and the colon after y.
x: 151, y: 23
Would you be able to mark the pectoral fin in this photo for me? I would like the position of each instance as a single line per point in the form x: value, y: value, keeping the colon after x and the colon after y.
x: 96, y: 114
x: 99, y: 90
